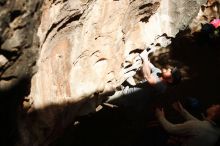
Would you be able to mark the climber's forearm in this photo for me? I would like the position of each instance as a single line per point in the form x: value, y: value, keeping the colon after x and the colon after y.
x: 146, y: 69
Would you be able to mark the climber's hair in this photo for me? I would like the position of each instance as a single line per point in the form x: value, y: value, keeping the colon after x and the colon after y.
x: 207, y: 28
x: 176, y: 75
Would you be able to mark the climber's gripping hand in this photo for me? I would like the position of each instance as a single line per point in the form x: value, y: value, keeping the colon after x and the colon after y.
x: 138, y: 62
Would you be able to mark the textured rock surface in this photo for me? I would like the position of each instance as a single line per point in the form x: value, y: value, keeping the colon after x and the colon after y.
x: 84, y: 47
x: 19, y: 20
x: 208, y: 12
x: 18, y: 24
x: 80, y: 39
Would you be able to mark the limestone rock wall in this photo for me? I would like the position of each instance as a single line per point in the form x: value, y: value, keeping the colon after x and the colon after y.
x: 208, y: 12
x: 85, y: 44
x: 84, y: 47
x: 18, y: 40
x: 19, y: 43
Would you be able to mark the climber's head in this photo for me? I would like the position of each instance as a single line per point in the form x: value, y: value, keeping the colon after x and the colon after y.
x: 207, y: 28
x: 171, y: 76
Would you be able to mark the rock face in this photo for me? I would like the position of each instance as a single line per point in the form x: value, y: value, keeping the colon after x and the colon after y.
x: 84, y: 48
x: 208, y: 12
x: 19, y: 20
x: 19, y: 43
x: 80, y: 39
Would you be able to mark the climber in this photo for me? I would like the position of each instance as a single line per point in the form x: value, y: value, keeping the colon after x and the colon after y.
x: 153, y: 77
x: 210, y: 32
x: 159, y: 78
x: 215, y: 23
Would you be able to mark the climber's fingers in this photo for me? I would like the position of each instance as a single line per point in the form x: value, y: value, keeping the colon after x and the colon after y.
x: 129, y: 74
x: 133, y: 67
x: 145, y: 53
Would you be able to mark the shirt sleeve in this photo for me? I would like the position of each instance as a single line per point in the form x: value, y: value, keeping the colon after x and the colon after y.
x: 183, y: 129
x: 153, y: 68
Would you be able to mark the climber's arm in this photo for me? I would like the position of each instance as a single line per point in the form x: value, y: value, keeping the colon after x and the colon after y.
x: 147, y: 72
x: 147, y: 68
x: 151, y: 72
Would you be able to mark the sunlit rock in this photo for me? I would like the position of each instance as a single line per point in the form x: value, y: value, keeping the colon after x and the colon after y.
x: 84, y: 47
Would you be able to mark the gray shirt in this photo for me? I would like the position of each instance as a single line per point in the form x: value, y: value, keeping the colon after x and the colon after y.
x: 194, y: 131
x: 142, y: 89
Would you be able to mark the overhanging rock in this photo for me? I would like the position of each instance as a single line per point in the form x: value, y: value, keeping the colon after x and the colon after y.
x: 84, y: 47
